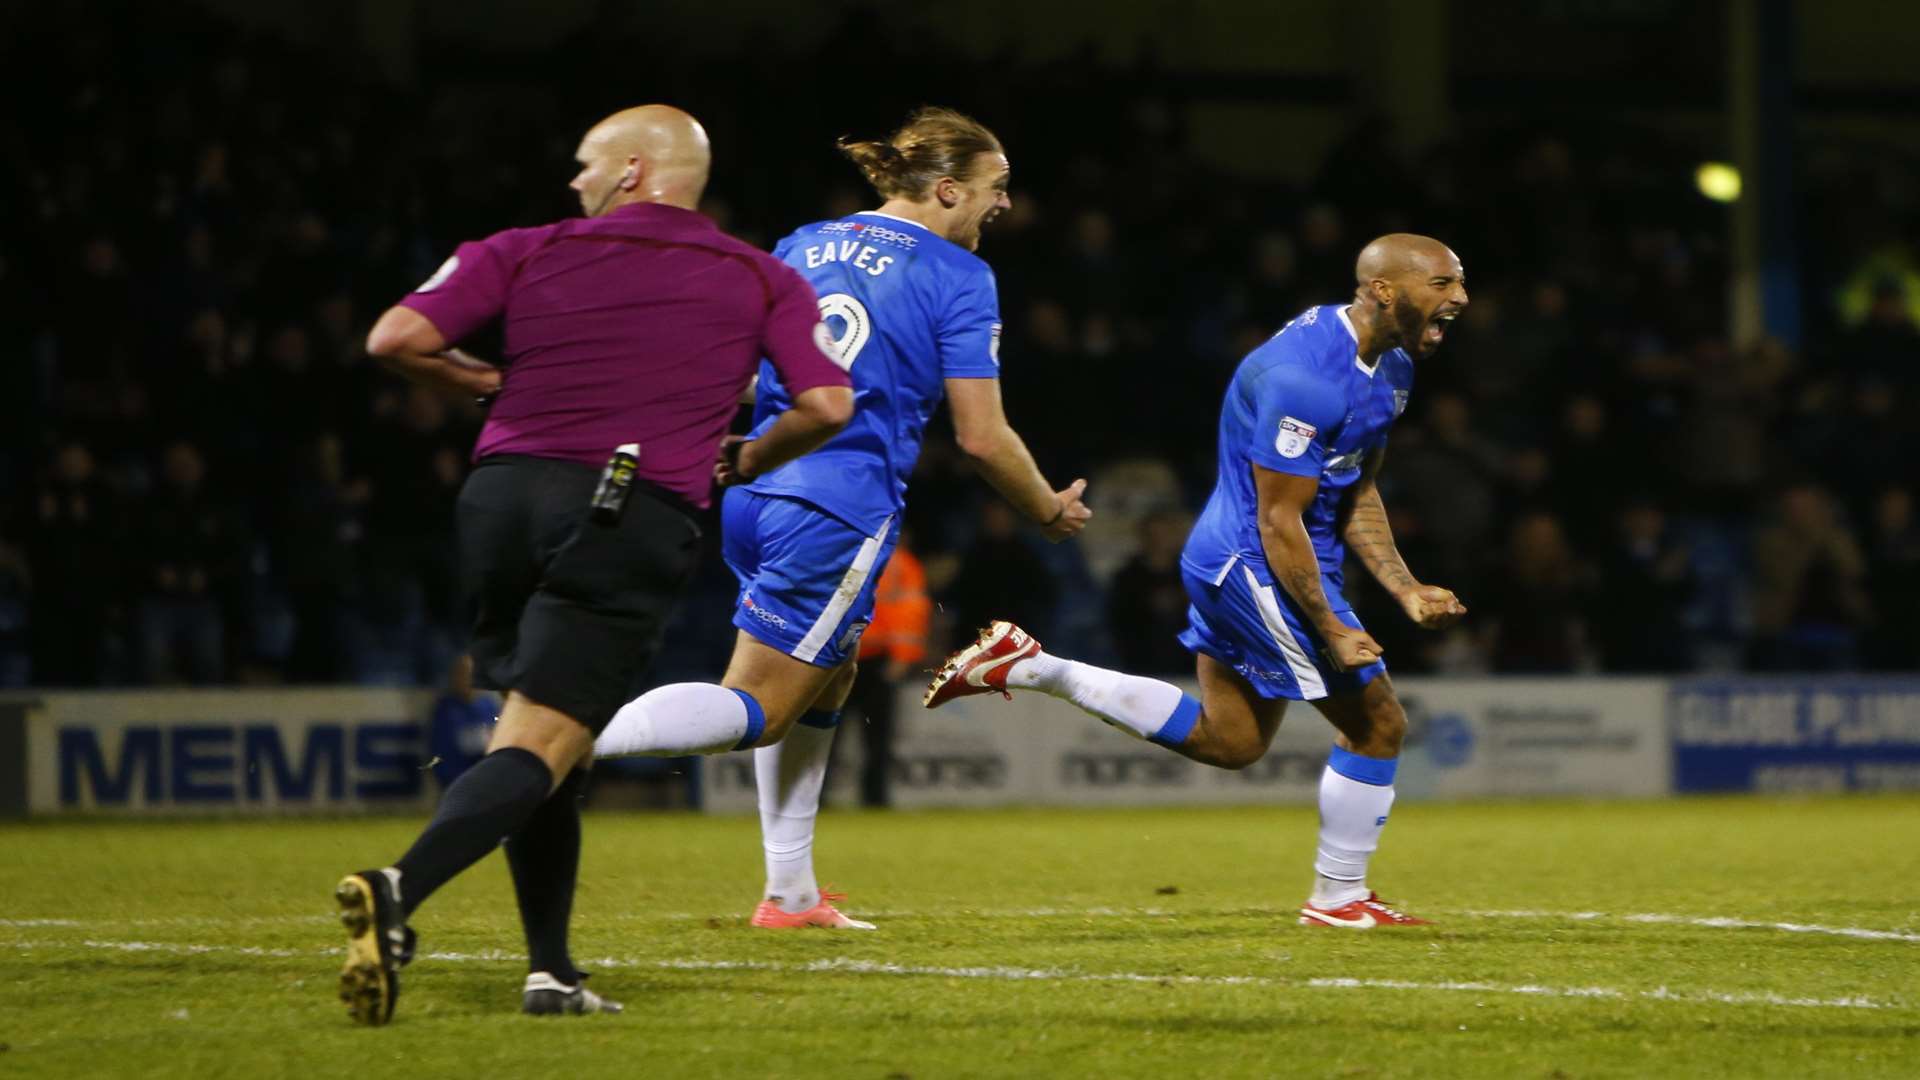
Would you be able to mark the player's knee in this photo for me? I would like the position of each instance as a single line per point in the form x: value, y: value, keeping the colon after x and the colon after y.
x: 777, y: 726
x: 1232, y: 754
x: 837, y: 691
x: 1386, y: 730
x: 1240, y: 757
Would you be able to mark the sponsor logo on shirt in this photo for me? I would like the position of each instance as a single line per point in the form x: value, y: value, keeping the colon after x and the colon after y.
x: 441, y: 275
x: 1294, y: 438
x: 761, y: 613
x: 1348, y: 462
x: 872, y: 233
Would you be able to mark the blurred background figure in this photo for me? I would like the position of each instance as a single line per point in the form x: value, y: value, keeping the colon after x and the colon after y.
x: 73, y: 564
x: 1893, y: 567
x: 1146, y: 602
x: 1809, y: 600
x: 1649, y: 579
x: 1539, y: 595
x: 893, y: 654
x: 462, y: 723
x: 1001, y: 576
x: 192, y: 549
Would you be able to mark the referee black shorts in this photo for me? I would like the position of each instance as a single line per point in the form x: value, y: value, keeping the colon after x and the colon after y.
x: 567, y: 610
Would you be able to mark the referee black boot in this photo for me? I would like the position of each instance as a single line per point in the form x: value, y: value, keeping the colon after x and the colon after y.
x: 379, y: 944
x: 545, y: 995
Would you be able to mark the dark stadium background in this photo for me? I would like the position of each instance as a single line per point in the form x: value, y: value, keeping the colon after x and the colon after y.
x: 1671, y: 434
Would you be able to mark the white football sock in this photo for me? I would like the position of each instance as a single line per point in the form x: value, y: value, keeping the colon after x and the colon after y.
x: 1355, y: 795
x: 1149, y: 708
x: 683, y: 718
x: 789, y: 775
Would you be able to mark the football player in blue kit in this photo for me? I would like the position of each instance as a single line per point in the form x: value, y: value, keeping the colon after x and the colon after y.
x: 912, y: 314
x: 1303, y: 433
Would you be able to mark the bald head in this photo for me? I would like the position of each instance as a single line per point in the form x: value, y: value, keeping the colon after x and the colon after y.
x: 653, y: 153
x: 1410, y: 289
x: 1397, y: 255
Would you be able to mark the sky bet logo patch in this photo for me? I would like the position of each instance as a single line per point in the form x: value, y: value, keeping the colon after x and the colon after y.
x: 1295, y: 436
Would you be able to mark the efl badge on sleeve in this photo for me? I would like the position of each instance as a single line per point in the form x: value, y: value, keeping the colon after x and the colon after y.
x: 993, y: 345
x: 1295, y: 437
x: 1399, y: 402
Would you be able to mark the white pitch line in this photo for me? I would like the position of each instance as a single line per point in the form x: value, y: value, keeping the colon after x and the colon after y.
x: 1716, y: 922
x: 1704, y: 922
x: 1651, y: 918
x: 844, y: 966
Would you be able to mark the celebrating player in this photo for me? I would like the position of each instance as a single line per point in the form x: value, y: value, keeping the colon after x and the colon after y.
x: 1303, y: 433
x: 914, y: 316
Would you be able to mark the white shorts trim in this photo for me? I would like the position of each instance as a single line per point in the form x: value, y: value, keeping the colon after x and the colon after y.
x: 844, y: 595
x: 1299, y: 660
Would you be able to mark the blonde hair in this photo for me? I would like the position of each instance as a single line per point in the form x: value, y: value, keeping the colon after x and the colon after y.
x: 934, y: 142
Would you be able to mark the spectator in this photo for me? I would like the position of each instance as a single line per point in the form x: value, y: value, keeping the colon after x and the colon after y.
x: 192, y: 546
x: 1588, y: 473
x: 1538, y: 613
x: 1809, y: 599
x: 894, y: 645
x: 407, y: 607
x: 1445, y: 472
x: 1147, y: 603
x: 1646, y: 578
x: 1893, y: 567
x: 16, y: 590
x: 74, y: 555
x: 321, y: 554
x: 462, y: 723
x: 1000, y: 577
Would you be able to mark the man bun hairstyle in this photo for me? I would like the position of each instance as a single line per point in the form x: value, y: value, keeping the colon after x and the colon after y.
x: 934, y: 142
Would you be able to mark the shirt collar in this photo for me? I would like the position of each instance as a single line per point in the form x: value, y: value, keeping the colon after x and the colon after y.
x: 1355, y: 335
x: 895, y: 217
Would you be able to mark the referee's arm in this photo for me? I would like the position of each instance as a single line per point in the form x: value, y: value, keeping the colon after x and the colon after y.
x: 407, y: 343
x: 818, y: 414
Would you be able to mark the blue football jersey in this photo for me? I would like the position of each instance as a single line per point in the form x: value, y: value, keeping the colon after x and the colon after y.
x: 1301, y: 403
x: 907, y: 309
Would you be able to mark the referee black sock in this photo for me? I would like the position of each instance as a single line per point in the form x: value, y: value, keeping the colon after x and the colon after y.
x: 544, y: 855
x: 488, y: 802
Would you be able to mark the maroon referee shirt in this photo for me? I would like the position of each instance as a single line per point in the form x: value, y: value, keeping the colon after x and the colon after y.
x: 642, y: 325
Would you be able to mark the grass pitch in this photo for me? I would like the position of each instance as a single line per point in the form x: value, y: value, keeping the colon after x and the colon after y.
x: 1700, y: 938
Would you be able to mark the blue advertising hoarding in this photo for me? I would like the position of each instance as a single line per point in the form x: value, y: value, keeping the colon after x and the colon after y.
x: 1785, y: 735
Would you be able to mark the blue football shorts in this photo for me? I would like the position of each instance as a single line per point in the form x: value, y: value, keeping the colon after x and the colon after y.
x: 1257, y: 631
x: 807, y: 579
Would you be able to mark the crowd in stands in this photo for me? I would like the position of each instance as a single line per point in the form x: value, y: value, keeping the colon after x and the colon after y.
x: 204, y: 480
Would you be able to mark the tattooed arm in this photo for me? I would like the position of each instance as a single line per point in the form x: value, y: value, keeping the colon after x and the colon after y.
x: 1283, y: 498
x: 1370, y: 538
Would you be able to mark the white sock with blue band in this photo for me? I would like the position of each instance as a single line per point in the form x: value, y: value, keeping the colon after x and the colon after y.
x: 681, y: 719
x: 1154, y: 710
x: 789, y: 775
x: 1356, y: 794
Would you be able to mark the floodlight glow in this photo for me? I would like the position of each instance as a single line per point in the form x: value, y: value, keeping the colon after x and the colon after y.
x: 1718, y: 181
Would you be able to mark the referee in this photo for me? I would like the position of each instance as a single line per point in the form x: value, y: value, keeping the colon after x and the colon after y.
x: 630, y: 335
